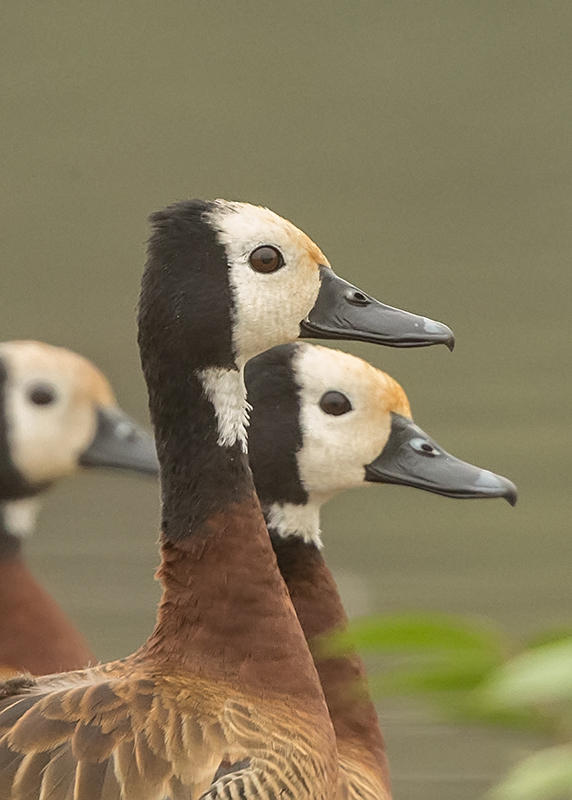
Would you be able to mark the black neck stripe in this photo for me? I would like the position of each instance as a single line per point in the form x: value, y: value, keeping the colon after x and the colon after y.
x: 12, y: 484
x: 10, y: 544
x: 185, y: 326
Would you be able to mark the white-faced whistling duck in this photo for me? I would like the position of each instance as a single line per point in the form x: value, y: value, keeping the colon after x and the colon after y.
x: 223, y: 699
x: 57, y: 413
x: 323, y: 421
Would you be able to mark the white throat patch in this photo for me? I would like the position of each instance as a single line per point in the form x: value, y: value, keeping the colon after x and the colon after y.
x: 20, y: 516
x: 303, y: 521
x: 226, y: 391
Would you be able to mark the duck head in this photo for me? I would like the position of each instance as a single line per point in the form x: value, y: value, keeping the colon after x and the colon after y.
x: 243, y: 279
x: 58, y: 413
x: 324, y: 421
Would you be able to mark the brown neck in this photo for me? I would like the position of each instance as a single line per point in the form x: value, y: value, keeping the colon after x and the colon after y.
x: 225, y: 611
x: 319, y: 608
x: 35, y: 634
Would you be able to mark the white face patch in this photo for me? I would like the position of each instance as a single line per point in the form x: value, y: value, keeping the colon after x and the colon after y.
x: 288, y: 519
x: 46, y: 439
x: 226, y: 391
x: 336, y: 449
x: 268, y: 307
x: 20, y: 516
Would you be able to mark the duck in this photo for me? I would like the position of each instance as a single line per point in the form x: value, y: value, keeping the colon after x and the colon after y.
x: 223, y: 699
x: 57, y: 414
x: 323, y: 421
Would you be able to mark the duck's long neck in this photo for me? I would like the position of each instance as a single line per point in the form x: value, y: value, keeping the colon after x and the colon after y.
x: 225, y: 611
x: 319, y: 608
x: 35, y: 634
x: 200, y: 428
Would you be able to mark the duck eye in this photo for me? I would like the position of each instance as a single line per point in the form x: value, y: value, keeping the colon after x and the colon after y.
x: 266, y: 259
x: 335, y: 403
x: 424, y: 447
x: 42, y: 394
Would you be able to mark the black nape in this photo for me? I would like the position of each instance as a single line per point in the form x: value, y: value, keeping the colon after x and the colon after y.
x: 10, y: 544
x: 274, y: 434
x: 13, y: 485
x: 185, y: 326
x: 186, y: 304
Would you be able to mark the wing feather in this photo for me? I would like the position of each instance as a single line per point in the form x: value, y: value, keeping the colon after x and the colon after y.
x: 91, y: 743
x: 28, y: 779
x: 176, y: 790
x: 111, y: 789
x: 13, y: 710
x: 9, y: 765
x: 100, y: 735
x: 83, y: 737
x: 154, y: 769
x: 130, y: 778
x: 36, y: 732
x: 59, y: 775
x: 89, y: 779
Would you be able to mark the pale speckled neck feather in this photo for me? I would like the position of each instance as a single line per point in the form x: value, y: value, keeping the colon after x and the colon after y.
x: 19, y: 516
x: 302, y: 521
x: 226, y: 391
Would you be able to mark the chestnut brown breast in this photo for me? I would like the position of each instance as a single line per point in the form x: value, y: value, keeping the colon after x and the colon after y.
x: 35, y: 634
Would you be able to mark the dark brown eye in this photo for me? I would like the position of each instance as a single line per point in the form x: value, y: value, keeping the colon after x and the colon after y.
x: 266, y: 259
x: 335, y: 403
x: 42, y: 394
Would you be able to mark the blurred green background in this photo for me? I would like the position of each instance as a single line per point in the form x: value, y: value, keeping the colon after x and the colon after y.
x: 426, y: 146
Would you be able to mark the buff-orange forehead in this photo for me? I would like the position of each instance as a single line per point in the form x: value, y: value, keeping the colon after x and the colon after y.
x: 380, y: 392
x: 265, y: 222
x: 301, y: 241
x: 314, y: 251
x: 94, y: 384
x: 396, y: 398
x: 391, y: 395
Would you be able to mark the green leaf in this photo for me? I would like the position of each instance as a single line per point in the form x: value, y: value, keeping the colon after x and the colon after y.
x: 535, y: 676
x: 414, y: 633
x: 546, y: 775
x: 515, y: 719
x: 549, y: 636
x: 447, y: 672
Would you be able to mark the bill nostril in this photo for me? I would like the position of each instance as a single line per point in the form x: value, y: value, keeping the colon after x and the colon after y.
x: 357, y: 298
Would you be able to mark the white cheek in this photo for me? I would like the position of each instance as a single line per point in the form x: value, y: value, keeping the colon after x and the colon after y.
x: 46, y: 442
x: 331, y: 458
x: 336, y: 450
x: 270, y: 307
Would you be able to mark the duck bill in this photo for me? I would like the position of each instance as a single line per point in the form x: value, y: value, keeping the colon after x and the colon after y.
x: 120, y: 443
x: 344, y: 312
x: 412, y: 458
